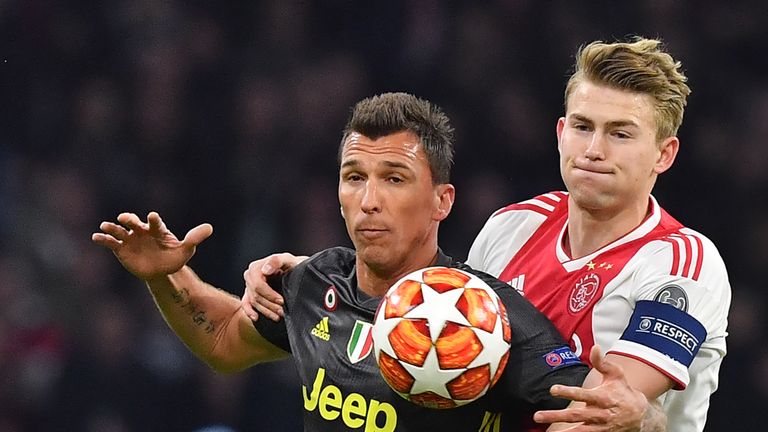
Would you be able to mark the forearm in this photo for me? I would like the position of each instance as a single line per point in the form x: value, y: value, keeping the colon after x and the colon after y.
x: 210, y: 322
x: 618, y: 394
x: 654, y: 420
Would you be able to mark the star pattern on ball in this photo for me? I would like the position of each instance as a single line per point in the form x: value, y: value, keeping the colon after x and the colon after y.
x: 430, y: 377
x: 381, y: 339
x: 442, y: 305
x: 488, y: 355
x: 470, y: 359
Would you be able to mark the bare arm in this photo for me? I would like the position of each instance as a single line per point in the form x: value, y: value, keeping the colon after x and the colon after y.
x: 615, y: 396
x: 208, y: 320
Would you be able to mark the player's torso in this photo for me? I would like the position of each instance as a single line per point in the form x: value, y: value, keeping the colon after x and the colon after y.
x: 589, y: 299
x: 329, y: 327
x: 576, y: 297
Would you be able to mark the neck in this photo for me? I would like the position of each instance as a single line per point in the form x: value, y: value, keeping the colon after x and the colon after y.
x: 375, y: 280
x: 589, y: 230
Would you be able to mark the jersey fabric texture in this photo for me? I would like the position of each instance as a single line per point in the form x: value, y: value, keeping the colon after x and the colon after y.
x: 327, y: 330
x: 660, y: 294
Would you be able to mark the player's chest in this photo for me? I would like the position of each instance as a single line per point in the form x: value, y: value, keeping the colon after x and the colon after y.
x: 332, y: 333
x: 342, y: 387
x: 567, y: 288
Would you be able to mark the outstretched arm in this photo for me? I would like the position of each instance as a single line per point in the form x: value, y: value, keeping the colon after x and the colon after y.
x: 208, y: 320
x: 610, y: 400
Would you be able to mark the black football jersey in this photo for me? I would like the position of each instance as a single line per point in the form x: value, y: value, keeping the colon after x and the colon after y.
x: 327, y: 330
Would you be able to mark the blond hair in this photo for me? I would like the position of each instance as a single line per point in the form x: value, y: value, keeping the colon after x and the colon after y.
x: 640, y: 66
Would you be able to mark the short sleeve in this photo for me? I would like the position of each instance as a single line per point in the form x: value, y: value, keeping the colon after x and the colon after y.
x: 682, y: 296
x: 502, y: 236
x: 275, y: 332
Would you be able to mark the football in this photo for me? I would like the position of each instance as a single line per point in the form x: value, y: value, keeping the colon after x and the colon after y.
x: 441, y: 337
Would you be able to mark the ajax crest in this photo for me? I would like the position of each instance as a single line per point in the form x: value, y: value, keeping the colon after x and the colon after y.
x: 583, y: 292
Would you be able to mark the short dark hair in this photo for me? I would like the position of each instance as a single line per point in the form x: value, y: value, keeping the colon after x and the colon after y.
x: 389, y: 113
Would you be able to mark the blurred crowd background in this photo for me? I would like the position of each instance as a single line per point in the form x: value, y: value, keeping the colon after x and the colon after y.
x: 231, y: 113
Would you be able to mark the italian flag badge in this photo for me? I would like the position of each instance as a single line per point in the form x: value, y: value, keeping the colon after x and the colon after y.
x: 360, y: 341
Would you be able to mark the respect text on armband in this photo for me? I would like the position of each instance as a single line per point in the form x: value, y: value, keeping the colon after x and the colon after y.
x: 670, y: 331
x: 353, y: 409
x: 665, y: 329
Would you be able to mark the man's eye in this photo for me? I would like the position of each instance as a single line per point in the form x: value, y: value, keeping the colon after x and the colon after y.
x: 395, y: 180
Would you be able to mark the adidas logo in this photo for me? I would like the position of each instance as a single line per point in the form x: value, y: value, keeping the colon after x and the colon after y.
x: 517, y: 283
x: 321, y: 330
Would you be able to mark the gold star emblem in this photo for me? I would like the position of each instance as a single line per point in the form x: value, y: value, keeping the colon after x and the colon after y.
x: 608, y: 266
x: 591, y: 265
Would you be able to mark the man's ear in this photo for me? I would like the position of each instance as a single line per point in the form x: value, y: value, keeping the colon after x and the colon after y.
x: 559, y: 130
x: 445, y: 194
x: 667, y: 154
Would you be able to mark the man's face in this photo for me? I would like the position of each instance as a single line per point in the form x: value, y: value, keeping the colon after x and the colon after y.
x: 389, y: 204
x: 609, y: 153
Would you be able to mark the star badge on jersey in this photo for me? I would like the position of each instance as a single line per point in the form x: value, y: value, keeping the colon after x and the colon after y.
x: 591, y: 265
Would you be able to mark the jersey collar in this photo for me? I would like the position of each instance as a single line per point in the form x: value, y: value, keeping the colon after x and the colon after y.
x: 372, y: 303
x: 644, y: 228
x: 443, y: 260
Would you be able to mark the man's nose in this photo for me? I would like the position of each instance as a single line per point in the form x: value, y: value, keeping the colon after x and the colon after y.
x: 371, y: 202
x: 595, y: 149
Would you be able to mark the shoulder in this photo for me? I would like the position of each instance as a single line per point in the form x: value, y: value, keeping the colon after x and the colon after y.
x: 683, y: 268
x: 507, y: 229
x: 496, y: 284
x: 544, y: 204
x: 332, y: 262
x: 526, y: 216
x: 683, y: 252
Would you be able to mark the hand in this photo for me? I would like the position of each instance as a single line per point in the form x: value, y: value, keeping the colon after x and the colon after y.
x: 611, y: 406
x: 149, y: 250
x: 259, y: 297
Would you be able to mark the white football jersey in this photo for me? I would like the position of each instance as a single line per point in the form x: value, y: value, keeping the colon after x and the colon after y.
x: 660, y: 294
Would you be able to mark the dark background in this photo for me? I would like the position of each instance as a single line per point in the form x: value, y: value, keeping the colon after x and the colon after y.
x: 231, y: 112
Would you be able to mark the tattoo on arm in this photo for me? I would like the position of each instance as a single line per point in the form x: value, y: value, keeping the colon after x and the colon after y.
x: 181, y: 298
